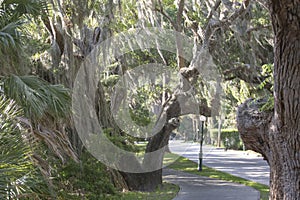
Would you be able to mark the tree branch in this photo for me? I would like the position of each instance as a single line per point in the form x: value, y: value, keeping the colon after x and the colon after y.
x: 213, y: 25
x: 161, y: 11
x: 179, y: 15
x: 211, y: 12
x: 246, y: 74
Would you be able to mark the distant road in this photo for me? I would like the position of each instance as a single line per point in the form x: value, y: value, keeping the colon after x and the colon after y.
x: 237, y: 163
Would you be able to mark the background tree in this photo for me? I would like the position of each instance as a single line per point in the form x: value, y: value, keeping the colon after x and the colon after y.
x: 205, y: 30
x: 205, y: 24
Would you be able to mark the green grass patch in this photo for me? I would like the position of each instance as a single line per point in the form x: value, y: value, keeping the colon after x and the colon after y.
x: 186, y: 165
x: 170, y: 158
x: 166, y: 191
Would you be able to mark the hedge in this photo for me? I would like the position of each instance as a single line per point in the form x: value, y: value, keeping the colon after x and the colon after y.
x: 234, y: 140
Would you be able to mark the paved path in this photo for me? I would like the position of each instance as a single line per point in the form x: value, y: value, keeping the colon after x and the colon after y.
x: 237, y: 163
x: 194, y: 187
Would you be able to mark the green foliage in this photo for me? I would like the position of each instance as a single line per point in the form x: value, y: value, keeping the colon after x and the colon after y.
x: 123, y: 141
x: 238, y: 91
x: 19, y: 8
x: 267, y: 71
x: 38, y: 97
x: 14, y: 154
x: 88, y: 180
x: 110, y: 81
x: 260, y: 16
x: 268, y: 105
x: 141, y: 101
x: 18, y: 175
x: 9, y: 34
x: 138, y: 108
x: 233, y: 136
x: 13, y: 15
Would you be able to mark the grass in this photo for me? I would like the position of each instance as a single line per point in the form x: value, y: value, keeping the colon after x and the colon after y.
x: 167, y: 191
x: 186, y: 165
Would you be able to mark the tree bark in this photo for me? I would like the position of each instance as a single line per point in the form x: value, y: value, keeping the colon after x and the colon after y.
x: 277, y: 136
x: 285, y: 138
x: 150, y: 180
x: 146, y: 182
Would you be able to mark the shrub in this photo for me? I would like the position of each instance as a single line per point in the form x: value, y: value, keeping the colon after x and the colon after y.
x: 234, y: 140
x: 88, y: 179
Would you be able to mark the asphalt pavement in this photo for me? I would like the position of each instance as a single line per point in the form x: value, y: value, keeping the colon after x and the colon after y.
x: 238, y: 163
x: 194, y: 187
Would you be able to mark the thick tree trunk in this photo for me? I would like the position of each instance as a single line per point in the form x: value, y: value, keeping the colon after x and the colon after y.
x: 279, y: 140
x: 150, y: 180
x: 143, y: 181
x: 285, y: 139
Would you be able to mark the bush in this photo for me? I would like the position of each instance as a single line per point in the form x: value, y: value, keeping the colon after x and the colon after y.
x: 234, y: 140
x: 88, y: 179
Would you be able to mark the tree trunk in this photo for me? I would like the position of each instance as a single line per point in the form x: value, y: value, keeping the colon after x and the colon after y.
x: 277, y: 137
x: 219, y: 131
x: 143, y: 181
x: 150, y: 180
x: 285, y: 139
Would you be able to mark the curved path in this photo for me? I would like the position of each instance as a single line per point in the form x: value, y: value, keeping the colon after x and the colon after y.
x: 194, y: 187
x: 237, y: 163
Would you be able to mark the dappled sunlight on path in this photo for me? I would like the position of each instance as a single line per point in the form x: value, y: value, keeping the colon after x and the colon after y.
x: 194, y: 187
x: 237, y: 163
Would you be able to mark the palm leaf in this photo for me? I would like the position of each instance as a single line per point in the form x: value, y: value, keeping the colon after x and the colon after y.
x: 59, y: 102
x: 9, y: 34
x: 44, y: 105
x: 18, y: 175
x: 25, y: 91
x: 13, y: 13
x: 38, y: 97
x: 18, y: 8
x: 14, y: 154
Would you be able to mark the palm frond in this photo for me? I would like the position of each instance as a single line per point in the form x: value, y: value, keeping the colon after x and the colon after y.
x: 38, y: 97
x: 9, y: 34
x: 25, y: 91
x: 12, y: 13
x: 19, y: 177
x: 18, y: 8
x: 59, y: 102
x: 43, y: 106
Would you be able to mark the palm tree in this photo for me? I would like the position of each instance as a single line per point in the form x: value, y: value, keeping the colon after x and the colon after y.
x: 32, y: 111
x: 44, y: 104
